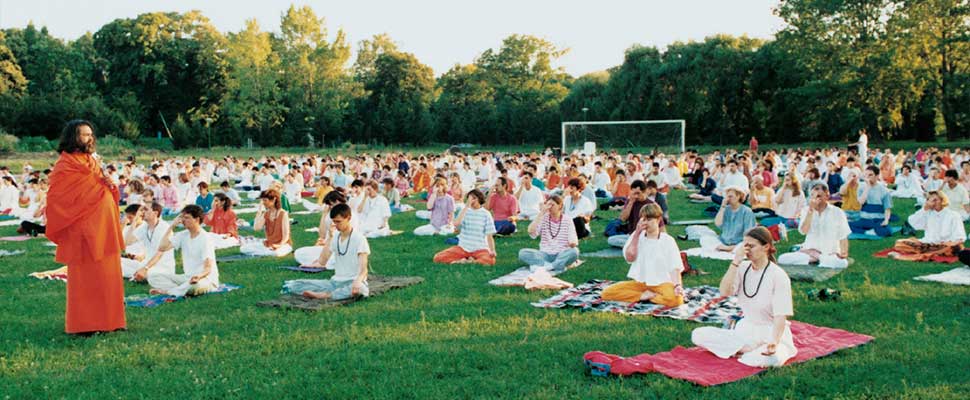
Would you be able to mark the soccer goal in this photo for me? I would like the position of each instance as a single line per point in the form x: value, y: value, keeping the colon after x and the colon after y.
x: 665, y: 136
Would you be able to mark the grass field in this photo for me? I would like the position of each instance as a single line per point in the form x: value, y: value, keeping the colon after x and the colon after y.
x: 456, y: 337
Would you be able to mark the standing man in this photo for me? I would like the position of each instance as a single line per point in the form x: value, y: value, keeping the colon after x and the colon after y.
x: 82, y: 219
x: 863, y: 144
x: 753, y: 145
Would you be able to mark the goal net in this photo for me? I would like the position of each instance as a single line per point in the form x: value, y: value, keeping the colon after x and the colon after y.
x: 665, y: 136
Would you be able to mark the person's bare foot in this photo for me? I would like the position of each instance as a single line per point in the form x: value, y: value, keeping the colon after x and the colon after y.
x: 316, y: 295
x: 463, y: 261
x: 157, y: 291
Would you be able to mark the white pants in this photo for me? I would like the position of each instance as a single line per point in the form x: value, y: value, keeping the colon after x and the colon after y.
x: 178, y: 284
x: 372, y: 231
x: 129, y: 267
x: 429, y: 230
x: 222, y: 241
x: 255, y: 247
x: 307, y: 255
x: 529, y: 214
x: 311, y: 206
x: 825, y: 260
x: 725, y: 343
x: 423, y: 214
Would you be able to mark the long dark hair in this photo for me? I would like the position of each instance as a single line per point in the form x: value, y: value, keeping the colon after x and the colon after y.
x: 71, y: 138
x: 226, y: 201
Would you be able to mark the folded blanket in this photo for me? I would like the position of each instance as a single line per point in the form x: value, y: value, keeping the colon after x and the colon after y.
x: 709, y: 253
x: 888, y: 253
x: 704, y: 368
x: 521, y: 275
x: 375, y: 283
x: 155, y: 300
x: 867, y: 236
x: 605, y: 253
x: 300, y: 268
x: 693, y: 222
x: 542, y: 279
x: 956, y: 276
x: 701, y: 304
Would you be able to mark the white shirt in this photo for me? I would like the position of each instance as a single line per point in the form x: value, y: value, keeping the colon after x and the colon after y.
x: 958, y: 197
x: 265, y: 182
x: 376, y: 209
x: 582, y: 207
x: 345, y: 254
x: 941, y: 226
x: 530, y: 200
x: 657, y: 259
x: 773, y: 298
x: 601, y: 180
x: 736, y: 179
x: 828, y: 228
x: 194, y: 253
x: 151, y: 239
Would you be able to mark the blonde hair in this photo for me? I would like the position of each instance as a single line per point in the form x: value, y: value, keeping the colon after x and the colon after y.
x: 651, y: 211
x: 939, y: 193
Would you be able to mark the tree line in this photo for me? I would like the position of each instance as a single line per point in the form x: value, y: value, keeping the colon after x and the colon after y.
x: 899, y: 69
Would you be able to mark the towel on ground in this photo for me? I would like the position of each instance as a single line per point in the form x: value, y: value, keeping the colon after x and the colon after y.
x: 375, y: 283
x: 521, y: 275
x: 956, y: 276
x: 155, y: 300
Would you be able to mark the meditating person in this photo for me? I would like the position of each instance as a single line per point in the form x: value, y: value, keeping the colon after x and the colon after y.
x: 618, y: 231
x: 530, y: 197
x: 762, y: 198
x: 908, y: 184
x: 222, y: 222
x: 170, y: 196
x: 577, y: 207
x: 558, y: 243
x: 149, y: 236
x: 876, y: 207
x: 442, y: 208
x: 82, y: 219
x: 733, y: 218
x: 503, y: 206
x: 375, y: 212
x: 763, y: 337
x: 789, y: 202
x: 393, y: 197
x: 347, y: 252
x: 475, y: 234
x: 655, y: 267
x: 276, y: 221
x: 849, y: 193
x: 325, y: 230
x: 131, y: 219
x: 943, y: 228
x: 620, y: 189
x: 826, y: 231
x: 231, y: 193
x: 204, y: 199
x: 200, y: 274
x: 957, y: 194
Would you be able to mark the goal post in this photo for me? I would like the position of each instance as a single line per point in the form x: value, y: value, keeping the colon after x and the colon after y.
x: 628, y: 134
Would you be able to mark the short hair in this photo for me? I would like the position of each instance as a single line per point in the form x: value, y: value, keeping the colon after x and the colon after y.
x: 193, y: 211
x: 157, y: 208
x: 651, y: 211
x: 527, y: 173
x: 576, y: 183
x: 821, y: 186
x: 334, y: 197
x: 70, y: 136
x: 132, y: 209
x: 651, y: 184
x: 639, y: 184
x: 477, y: 194
x: 387, y: 181
x: 224, y: 184
x: 873, y: 169
x: 951, y: 173
x: 203, y: 185
x: 340, y: 210
x: 373, y: 185
x: 357, y: 183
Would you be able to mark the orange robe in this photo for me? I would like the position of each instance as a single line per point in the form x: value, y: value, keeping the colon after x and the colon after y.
x: 83, y: 220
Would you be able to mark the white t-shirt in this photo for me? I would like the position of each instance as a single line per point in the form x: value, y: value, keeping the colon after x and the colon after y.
x: 376, y: 209
x: 151, y: 239
x: 943, y: 226
x: 345, y: 254
x: 828, y: 228
x: 530, y: 200
x: 772, y: 298
x: 581, y: 207
x: 657, y: 259
x: 194, y: 253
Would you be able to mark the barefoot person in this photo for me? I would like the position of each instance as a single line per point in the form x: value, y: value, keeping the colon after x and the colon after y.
x: 655, y: 264
x: 200, y: 274
x: 82, y: 219
x: 826, y: 231
x: 558, y: 243
x: 476, y: 230
x: 349, y: 250
x: 276, y: 222
x: 763, y: 338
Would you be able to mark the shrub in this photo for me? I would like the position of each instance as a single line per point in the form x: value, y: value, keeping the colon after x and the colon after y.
x: 33, y: 144
x: 8, y: 143
x: 164, y: 144
x: 113, y: 145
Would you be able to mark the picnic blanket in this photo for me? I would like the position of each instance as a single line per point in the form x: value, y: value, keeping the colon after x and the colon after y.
x: 300, y: 268
x: 605, y: 253
x: 519, y: 276
x: 704, y: 368
x: 888, y: 253
x: 701, y: 304
x: 693, y: 222
x: 811, y: 273
x: 868, y: 236
x: 376, y: 283
x: 956, y: 276
x: 709, y: 253
x: 14, y: 238
x: 59, y: 274
x: 155, y: 300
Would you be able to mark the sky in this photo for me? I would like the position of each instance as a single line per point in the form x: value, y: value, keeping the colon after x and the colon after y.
x: 443, y: 33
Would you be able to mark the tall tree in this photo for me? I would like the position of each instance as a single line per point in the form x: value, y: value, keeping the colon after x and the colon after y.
x: 12, y: 81
x: 397, y: 109
x: 464, y: 111
x: 254, y: 102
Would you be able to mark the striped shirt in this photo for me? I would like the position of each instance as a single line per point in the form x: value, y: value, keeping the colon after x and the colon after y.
x: 556, y: 236
x: 476, y: 225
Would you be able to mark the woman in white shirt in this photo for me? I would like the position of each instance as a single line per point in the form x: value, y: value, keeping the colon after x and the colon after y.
x: 656, y: 264
x: 763, y: 338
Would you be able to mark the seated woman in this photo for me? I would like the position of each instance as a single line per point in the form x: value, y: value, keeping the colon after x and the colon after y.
x: 201, y: 274
x: 908, y: 184
x: 442, y: 208
x: 558, y: 243
x: 826, y: 231
x: 347, y: 251
x: 222, y: 221
x: 876, y: 207
x: 375, y: 212
x: 655, y: 266
x: 706, y: 187
x: 620, y: 189
x: 734, y: 218
x: 762, y: 198
x: 789, y: 202
x: 306, y: 255
x: 276, y: 222
x: 393, y: 197
x: 475, y: 237
x: 943, y: 228
x: 204, y: 199
x: 577, y: 207
x: 322, y: 189
x: 763, y: 338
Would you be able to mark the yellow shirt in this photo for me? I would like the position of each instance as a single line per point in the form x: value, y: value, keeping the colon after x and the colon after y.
x: 762, y: 198
x: 321, y: 193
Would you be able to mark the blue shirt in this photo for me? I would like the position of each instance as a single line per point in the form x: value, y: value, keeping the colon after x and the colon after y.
x: 878, y: 201
x: 204, y: 202
x: 735, y: 224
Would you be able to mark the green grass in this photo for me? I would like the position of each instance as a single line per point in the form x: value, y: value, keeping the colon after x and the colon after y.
x: 454, y: 336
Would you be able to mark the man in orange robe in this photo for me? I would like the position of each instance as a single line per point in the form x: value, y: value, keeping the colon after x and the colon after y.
x: 83, y: 220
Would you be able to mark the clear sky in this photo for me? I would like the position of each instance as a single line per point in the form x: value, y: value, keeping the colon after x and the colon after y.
x: 442, y: 33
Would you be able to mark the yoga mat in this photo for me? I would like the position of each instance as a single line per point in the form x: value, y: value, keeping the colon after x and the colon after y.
x: 704, y: 368
x: 939, y: 259
x: 956, y: 276
x: 863, y: 236
x: 14, y: 238
x: 709, y: 253
x: 518, y: 277
x: 694, y: 222
x: 605, y: 253
x: 308, y: 270
x: 155, y: 300
x: 701, y: 304
x: 237, y: 257
x: 377, y: 285
x: 811, y: 273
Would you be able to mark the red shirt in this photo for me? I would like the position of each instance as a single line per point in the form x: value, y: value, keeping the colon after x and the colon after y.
x: 503, y: 206
x: 222, y: 222
x: 754, y: 144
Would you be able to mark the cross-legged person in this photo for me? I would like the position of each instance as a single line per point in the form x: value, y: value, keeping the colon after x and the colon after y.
x: 200, y: 274
x: 733, y: 218
x: 307, y: 255
x: 442, y: 207
x: 503, y: 206
x: 826, y: 231
x: 222, y: 222
x: 375, y: 212
x: 763, y: 337
x: 349, y: 251
x: 558, y: 243
x: 943, y: 230
x: 530, y: 197
x: 149, y: 235
x: 475, y: 234
x: 619, y: 230
x: 276, y: 222
x: 655, y: 267
x: 876, y: 205
x: 577, y: 207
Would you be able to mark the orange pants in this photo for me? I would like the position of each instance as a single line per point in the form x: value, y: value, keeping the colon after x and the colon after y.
x: 630, y: 292
x: 95, y: 296
x: 456, y: 253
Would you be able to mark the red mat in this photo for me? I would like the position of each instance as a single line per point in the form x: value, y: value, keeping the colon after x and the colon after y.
x: 704, y: 368
x: 939, y: 259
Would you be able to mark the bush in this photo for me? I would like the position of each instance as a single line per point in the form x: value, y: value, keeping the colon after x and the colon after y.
x: 113, y: 145
x: 8, y: 143
x: 156, y: 144
x: 34, y: 144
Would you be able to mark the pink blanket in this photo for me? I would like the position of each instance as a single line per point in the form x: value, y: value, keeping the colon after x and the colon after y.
x: 704, y: 368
